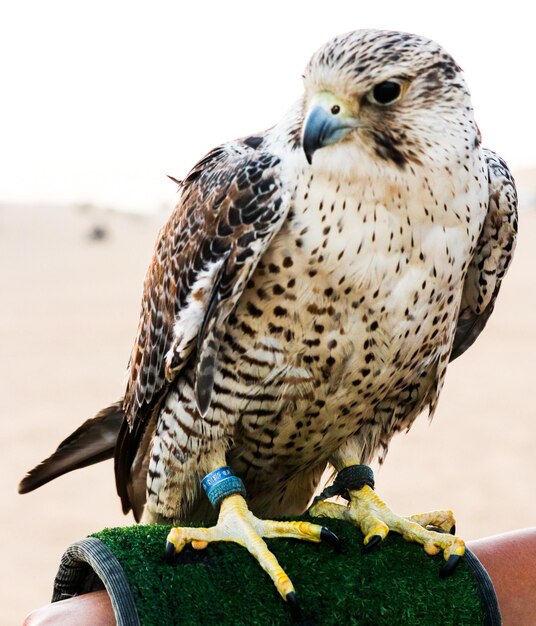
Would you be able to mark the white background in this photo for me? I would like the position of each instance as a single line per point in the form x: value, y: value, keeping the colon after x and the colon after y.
x: 99, y: 100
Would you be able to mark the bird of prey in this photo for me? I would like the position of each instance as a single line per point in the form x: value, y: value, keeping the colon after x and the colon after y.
x: 304, y: 301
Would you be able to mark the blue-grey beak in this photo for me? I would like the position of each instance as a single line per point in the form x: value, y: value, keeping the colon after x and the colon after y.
x: 323, y: 127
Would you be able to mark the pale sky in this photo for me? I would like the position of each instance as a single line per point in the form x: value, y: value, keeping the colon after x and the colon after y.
x: 100, y: 100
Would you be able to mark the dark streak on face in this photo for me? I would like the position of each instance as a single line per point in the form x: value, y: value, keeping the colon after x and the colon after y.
x: 386, y: 148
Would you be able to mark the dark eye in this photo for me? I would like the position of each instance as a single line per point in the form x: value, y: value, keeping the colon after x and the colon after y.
x: 386, y: 93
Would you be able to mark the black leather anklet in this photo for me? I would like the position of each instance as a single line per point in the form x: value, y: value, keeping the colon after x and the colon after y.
x: 348, y: 479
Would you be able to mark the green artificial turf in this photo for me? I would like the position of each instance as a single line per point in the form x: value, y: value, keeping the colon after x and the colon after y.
x: 394, y: 584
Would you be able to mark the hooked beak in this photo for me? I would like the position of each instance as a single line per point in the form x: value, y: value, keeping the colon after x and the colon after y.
x: 326, y: 123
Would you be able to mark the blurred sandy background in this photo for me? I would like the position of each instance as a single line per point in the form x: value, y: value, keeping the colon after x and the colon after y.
x: 108, y: 98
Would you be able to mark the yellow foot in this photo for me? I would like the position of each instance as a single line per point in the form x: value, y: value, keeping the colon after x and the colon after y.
x: 375, y: 520
x: 236, y: 523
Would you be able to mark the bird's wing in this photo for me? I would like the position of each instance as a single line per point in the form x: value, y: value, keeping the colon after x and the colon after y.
x: 231, y: 205
x: 492, y: 256
x: 92, y: 442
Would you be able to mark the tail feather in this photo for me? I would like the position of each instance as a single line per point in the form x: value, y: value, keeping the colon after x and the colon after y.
x: 92, y: 442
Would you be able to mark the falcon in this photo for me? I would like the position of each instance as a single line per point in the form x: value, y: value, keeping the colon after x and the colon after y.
x: 303, y: 303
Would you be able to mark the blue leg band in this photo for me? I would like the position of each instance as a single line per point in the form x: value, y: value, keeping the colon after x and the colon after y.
x: 221, y: 483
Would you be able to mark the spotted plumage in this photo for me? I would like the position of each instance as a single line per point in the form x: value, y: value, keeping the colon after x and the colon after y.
x: 294, y: 310
x: 314, y: 281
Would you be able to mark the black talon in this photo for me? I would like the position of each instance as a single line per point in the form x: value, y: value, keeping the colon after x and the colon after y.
x: 330, y: 537
x: 452, y: 531
x: 435, y: 529
x: 170, y: 553
x: 294, y: 606
x: 449, y: 566
x: 374, y: 541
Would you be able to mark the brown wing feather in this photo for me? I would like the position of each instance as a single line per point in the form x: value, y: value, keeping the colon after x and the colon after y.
x: 90, y: 443
x: 492, y: 257
x: 231, y: 205
x: 132, y: 454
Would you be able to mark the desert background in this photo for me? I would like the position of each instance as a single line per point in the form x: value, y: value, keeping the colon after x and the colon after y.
x: 107, y: 102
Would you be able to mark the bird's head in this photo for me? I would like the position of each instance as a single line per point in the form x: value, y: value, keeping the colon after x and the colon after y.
x: 398, y: 98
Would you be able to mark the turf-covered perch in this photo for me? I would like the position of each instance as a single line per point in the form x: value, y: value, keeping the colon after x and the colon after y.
x: 394, y: 584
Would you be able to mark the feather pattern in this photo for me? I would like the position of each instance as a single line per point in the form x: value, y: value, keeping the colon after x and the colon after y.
x: 231, y: 205
x: 492, y: 257
x: 94, y: 441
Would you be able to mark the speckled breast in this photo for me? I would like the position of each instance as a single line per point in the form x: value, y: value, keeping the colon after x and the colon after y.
x: 352, y: 304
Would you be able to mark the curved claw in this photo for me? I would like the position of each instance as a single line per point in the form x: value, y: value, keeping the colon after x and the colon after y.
x: 171, y: 553
x: 449, y: 566
x: 330, y: 537
x: 374, y: 541
x: 294, y: 606
x: 452, y: 530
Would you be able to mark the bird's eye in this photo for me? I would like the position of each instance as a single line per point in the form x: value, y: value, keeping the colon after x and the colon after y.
x: 385, y: 93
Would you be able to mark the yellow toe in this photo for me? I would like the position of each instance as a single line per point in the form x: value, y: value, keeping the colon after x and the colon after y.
x: 367, y: 511
x: 237, y: 524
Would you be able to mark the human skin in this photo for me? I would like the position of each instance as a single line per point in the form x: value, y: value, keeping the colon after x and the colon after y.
x: 508, y: 558
x: 89, y: 609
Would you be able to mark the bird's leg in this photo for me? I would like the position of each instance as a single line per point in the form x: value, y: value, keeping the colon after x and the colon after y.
x: 236, y: 523
x: 367, y: 511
